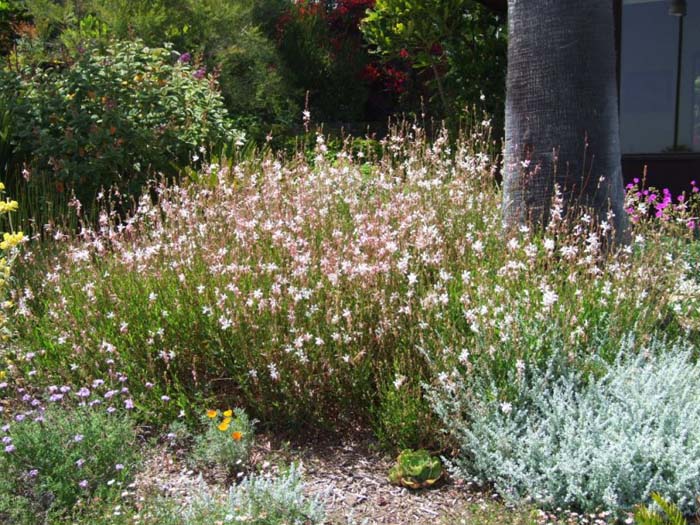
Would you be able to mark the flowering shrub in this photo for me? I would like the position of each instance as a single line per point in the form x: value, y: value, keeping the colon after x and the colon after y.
x: 599, y: 444
x: 8, y: 252
x: 459, y: 46
x: 53, y: 462
x: 322, y: 47
x: 113, y: 116
x: 310, y: 290
x: 226, y: 441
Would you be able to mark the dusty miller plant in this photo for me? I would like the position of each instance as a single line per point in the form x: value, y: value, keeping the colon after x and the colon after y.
x: 587, y: 442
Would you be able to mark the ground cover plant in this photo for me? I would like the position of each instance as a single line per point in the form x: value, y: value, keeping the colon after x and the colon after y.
x: 56, y: 460
x: 606, y: 443
x: 258, y: 499
x: 333, y: 292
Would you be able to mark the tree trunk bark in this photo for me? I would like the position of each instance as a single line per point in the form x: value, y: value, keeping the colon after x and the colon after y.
x: 562, y: 111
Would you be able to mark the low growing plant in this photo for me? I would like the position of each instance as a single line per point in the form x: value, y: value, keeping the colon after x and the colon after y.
x: 56, y: 460
x: 416, y: 469
x: 589, y: 442
x: 226, y: 442
x: 258, y: 500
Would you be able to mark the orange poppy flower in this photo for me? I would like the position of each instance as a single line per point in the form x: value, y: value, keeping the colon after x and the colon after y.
x: 237, y: 435
x: 211, y: 414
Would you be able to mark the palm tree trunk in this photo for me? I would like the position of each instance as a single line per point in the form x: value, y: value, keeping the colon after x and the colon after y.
x: 561, y: 111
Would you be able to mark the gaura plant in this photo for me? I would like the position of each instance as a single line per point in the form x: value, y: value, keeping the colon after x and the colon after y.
x: 415, y: 469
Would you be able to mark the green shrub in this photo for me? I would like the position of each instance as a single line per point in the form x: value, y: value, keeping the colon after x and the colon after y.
x: 223, y: 36
x: 226, y: 441
x: 114, y: 116
x: 459, y: 45
x: 602, y: 443
x: 55, y: 459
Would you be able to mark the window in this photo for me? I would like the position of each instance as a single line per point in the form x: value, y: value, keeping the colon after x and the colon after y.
x: 659, y: 103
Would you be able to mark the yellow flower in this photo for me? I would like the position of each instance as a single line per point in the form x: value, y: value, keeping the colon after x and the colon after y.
x: 228, y: 413
x: 3, y: 375
x: 223, y: 426
x: 10, y: 240
x: 237, y: 435
x: 2, y: 186
x: 211, y: 414
x: 8, y: 206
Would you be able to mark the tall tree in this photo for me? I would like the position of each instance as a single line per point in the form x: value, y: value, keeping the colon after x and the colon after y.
x: 562, y: 111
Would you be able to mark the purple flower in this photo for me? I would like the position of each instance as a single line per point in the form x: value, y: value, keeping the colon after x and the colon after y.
x: 148, y: 384
x: 65, y: 389
x: 200, y: 73
x: 80, y: 463
x: 119, y: 466
x: 9, y: 449
x: 184, y: 58
x: 83, y: 484
x: 165, y: 398
x: 33, y: 473
x: 6, y: 440
x: 128, y: 404
x: 83, y: 392
x: 111, y: 410
x: 78, y: 438
x: 19, y: 417
x: 110, y: 394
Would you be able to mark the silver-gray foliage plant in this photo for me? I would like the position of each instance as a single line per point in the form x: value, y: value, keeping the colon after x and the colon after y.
x: 604, y: 443
x: 258, y: 499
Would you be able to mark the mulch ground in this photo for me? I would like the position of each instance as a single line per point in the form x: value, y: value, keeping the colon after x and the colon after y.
x: 350, y: 478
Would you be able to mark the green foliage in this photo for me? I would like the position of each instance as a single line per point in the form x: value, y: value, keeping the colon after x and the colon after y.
x: 324, y: 55
x: 52, y: 462
x: 226, y: 442
x: 415, y: 469
x: 460, y: 44
x: 403, y: 418
x: 114, y: 117
x: 11, y: 13
x: 223, y: 36
x: 669, y: 514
